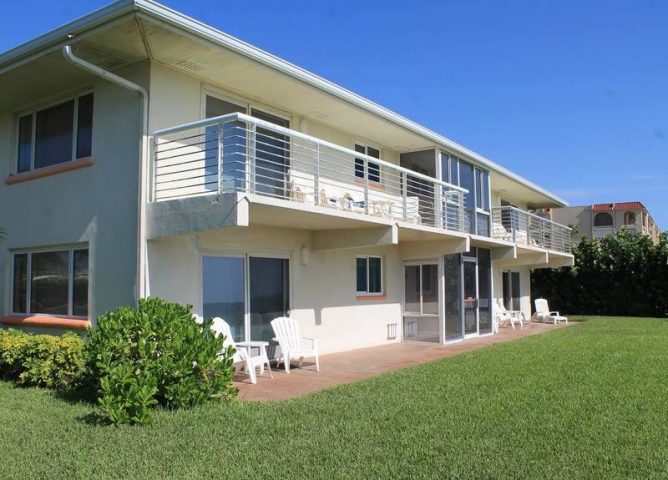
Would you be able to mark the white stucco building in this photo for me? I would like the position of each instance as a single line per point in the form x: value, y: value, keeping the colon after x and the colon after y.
x: 147, y: 154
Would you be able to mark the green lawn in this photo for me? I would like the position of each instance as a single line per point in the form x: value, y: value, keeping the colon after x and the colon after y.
x: 588, y: 401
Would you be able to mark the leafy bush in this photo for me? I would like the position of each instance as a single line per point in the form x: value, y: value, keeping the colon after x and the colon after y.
x: 155, y: 355
x: 622, y: 274
x: 41, y: 360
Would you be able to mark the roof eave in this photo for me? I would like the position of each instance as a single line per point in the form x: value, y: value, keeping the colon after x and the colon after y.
x: 15, y: 56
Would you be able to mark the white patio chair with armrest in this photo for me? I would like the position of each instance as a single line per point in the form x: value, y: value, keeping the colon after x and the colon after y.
x: 544, y: 314
x: 290, y: 341
x: 242, y: 357
x: 512, y: 316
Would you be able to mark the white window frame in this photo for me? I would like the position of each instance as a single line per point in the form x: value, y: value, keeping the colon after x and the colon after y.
x: 366, y: 145
x: 33, y: 113
x: 245, y: 256
x: 367, y: 293
x: 70, y: 288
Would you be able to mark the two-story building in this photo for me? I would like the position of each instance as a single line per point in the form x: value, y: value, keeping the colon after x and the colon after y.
x: 603, y: 219
x: 147, y: 154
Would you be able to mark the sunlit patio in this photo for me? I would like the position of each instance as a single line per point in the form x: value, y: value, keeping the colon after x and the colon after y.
x: 351, y: 366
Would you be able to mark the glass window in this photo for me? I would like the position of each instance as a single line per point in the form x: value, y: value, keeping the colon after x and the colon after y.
x: 372, y: 169
x: 375, y: 275
x: 466, y: 181
x: 55, y: 134
x: 80, y: 283
x: 20, y: 282
x: 603, y: 220
x: 361, y: 275
x: 629, y: 218
x: 85, y: 126
x: 25, y: 144
x: 369, y: 275
x: 412, y: 289
x: 51, y: 283
x: 430, y: 289
x: 223, y: 291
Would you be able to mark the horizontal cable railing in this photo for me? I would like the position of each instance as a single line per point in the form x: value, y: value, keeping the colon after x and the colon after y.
x: 239, y: 153
x: 524, y: 228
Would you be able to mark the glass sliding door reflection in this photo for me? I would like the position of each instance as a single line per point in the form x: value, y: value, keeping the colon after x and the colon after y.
x: 453, y: 297
x: 223, y: 291
x: 233, y: 139
x: 269, y: 295
x: 421, y: 308
x: 484, y: 291
x: 470, y: 297
x: 272, y: 157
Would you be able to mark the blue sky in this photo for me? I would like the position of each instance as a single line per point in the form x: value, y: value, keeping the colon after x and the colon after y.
x: 572, y: 95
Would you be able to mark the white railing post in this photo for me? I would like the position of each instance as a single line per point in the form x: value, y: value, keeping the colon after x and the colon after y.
x: 404, y: 193
x: 154, y: 170
x: 250, y: 159
x: 220, y: 158
x: 365, y: 164
x: 316, y: 176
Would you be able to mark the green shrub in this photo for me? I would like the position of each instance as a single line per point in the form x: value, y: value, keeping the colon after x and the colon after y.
x: 155, y: 355
x: 49, y: 361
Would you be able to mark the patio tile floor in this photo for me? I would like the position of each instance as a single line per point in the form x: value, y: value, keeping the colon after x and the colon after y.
x: 354, y: 365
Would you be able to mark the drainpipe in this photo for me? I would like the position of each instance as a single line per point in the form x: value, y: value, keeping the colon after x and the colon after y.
x: 143, y: 154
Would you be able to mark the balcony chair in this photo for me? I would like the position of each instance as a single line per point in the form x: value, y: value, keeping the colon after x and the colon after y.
x: 544, y: 314
x: 242, y: 357
x: 500, y: 233
x: 328, y: 201
x: 350, y: 204
x: 290, y: 342
x: 503, y: 316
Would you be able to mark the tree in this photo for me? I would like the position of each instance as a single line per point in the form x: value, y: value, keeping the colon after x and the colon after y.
x: 624, y: 274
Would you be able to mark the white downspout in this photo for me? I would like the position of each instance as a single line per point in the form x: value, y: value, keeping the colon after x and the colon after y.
x: 143, y: 153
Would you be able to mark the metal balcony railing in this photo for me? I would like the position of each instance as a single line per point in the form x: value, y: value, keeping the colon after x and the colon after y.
x: 239, y: 153
x: 524, y: 228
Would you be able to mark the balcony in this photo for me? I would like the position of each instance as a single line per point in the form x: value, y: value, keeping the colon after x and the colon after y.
x: 239, y: 154
x: 526, y: 229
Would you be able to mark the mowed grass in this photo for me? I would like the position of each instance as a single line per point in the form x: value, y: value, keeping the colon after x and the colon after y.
x: 588, y: 401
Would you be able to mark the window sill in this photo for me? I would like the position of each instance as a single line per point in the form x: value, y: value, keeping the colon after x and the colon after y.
x: 48, y: 171
x: 371, y: 297
x: 372, y: 184
x: 45, y: 321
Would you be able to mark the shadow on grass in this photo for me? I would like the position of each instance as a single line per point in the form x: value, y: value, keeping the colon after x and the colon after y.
x: 94, y: 419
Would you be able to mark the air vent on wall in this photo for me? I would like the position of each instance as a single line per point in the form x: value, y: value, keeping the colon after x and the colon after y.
x: 112, y: 63
x: 317, y: 114
x: 191, y: 66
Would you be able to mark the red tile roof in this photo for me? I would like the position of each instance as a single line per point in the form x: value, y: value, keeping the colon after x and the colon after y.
x: 618, y: 206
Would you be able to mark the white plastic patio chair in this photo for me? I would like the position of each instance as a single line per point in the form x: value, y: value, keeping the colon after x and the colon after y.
x: 507, y: 316
x: 242, y: 357
x: 544, y: 314
x: 290, y: 342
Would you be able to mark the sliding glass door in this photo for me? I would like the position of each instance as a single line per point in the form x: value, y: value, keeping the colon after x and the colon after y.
x: 468, y: 293
x: 421, y: 305
x: 272, y: 157
x: 248, y: 292
x: 268, y: 294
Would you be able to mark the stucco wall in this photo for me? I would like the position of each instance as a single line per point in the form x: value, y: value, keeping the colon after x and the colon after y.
x: 95, y: 205
x: 322, y: 293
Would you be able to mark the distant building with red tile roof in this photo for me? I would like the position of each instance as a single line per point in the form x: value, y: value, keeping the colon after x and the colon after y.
x: 602, y: 219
